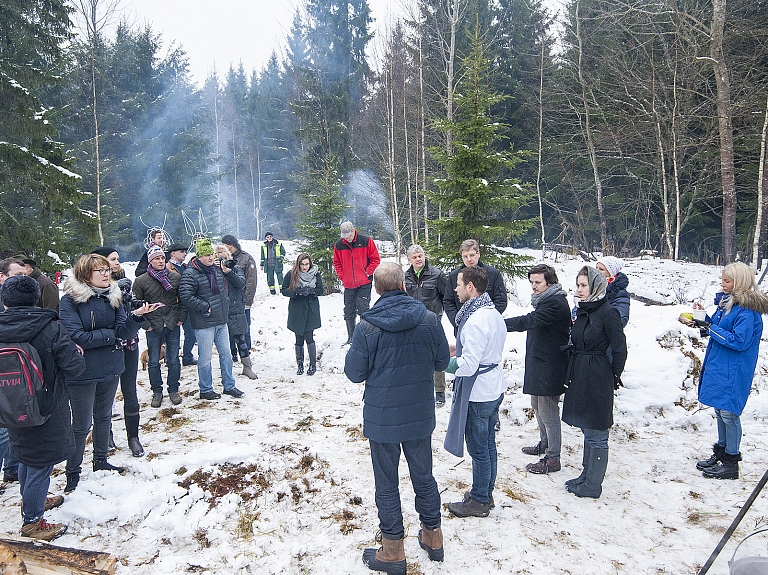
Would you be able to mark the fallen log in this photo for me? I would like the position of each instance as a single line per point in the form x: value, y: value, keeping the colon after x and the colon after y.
x: 19, y: 556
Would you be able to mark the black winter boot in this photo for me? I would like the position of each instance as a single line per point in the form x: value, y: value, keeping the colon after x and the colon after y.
x: 72, y: 480
x: 390, y: 557
x: 584, y: 464
x: 593, y: 483
x: 104, y: 465
x: 299, y: 359
x: 312, y: 349
x: 717, y: 455
x: 726, y: 468
x: 350, y: 331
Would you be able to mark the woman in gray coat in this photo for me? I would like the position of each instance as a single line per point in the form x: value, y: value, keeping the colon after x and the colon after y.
x: 303, y: 285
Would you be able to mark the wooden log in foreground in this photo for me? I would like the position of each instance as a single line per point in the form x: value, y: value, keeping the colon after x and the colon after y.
x: 21, y: 556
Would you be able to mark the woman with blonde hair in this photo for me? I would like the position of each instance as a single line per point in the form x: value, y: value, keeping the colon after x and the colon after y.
x: 729, y: 364
x: 303, y: 285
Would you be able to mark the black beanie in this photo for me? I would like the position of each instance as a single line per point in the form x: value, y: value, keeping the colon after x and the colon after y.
x: 20, y: 290
x: 268, y: 234
x: 230, y: 240
x: 105, y: 251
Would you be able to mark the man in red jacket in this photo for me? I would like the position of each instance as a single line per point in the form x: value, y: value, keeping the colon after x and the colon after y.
x: 355, y: 258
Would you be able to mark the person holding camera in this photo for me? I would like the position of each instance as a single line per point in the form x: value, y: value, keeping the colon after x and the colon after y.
x: 161, y: 285
x: 303, y: 285
x: 237, y: 323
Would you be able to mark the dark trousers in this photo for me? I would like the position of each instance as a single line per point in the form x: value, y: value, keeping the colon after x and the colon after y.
x: 248, y: 324
x: 91, y: 404
x: 386, y: 458
x: 356, y: 301
x: 128, y: 388
x: 239, y: 345
x: 189, y: 343
x: 155, y: 340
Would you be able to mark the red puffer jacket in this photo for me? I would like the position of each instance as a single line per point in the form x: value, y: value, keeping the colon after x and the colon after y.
x: 355, y: 262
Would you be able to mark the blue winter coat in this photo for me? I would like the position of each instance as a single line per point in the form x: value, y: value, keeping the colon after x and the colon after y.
x: 396, y: 349
x: 729, y: 363
x: 617, y: 296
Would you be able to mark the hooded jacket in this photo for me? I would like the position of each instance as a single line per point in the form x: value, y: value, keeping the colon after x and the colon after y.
x: 195, y: 294
x: 396, y: 349
x: 731, y: 357
x: 96, y: 323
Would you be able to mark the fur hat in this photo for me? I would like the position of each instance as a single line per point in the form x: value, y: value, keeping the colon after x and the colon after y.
x: 230, y: 240
x: 203, y: 247
x: 176, y: 248
x: 153, y: 252
x: 612, y: 264
x: 20, y: 290
x: 104, y: 251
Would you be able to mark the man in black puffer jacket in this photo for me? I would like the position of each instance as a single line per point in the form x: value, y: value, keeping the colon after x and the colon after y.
x: 204, y: 293
x: 39, y: 448
x: 396, y: 348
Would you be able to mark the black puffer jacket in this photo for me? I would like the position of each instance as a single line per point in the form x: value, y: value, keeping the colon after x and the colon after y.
x: 195, y: 294
x: 149, y: 289
x: 53, y: 441
x: 428, y: 287
x: 96, y: 323
x: 588, y: 400
x: 236, y: 283
x: 548, y: 327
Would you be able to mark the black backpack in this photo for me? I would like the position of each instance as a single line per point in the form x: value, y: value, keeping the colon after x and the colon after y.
x: 21, y: 385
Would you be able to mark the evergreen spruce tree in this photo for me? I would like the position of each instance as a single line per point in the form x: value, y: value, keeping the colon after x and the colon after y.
x: 479, y: 197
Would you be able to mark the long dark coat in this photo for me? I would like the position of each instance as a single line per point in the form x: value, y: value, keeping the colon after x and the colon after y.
x: 53, y: 441
x: 303, y: 311
x: 548, y: 327
x: 496, y: 290
x: 588, y: 402
x: 236, y: 282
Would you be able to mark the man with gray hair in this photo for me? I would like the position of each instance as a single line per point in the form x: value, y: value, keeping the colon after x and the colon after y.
x: 355, y: 258
x: 427, y: 284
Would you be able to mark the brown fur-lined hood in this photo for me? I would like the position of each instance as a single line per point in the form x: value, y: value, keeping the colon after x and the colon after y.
x: 752, y: 299
x: 82, y: 292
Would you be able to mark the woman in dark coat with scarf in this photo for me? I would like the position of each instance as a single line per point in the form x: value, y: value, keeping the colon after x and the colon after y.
x: 92, y: 313
x: 592, y: 377
x: 39, y: 448
x: 303, y: 285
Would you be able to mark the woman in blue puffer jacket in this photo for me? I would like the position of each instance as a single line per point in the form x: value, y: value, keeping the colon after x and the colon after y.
x: 729, y: 364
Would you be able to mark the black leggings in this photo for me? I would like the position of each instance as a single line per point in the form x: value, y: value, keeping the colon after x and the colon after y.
x: 308, y: 336
x: 239, y: 343
x: 130, y: 397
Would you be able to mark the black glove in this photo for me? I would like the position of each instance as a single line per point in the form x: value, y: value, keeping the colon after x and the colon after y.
x: 702, y: 325
x: 617, y: 383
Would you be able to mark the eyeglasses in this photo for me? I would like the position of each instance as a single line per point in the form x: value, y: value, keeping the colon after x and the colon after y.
x: 104, y: 272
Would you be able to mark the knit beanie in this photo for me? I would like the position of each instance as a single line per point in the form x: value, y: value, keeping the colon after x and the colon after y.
x: 265, y: 236
x: 105, y: 251
x: 203, y: 247
x: 612, y: 264
x: 230, y: 240
x: 20, y: 290
x: 153, y: 252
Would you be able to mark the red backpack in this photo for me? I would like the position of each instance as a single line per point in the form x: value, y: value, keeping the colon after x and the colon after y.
x: 21, y: 384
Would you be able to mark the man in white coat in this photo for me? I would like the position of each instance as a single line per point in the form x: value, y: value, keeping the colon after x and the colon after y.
x: 478, y: 389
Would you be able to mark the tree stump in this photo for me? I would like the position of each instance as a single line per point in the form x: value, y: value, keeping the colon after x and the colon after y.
x: 21, y: 556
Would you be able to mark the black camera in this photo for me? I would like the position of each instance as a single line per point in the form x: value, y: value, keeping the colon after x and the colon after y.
x: 230, y: 264
x: 137, y: 303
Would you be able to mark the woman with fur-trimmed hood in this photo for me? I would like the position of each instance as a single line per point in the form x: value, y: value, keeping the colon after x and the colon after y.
x: 729, y: 364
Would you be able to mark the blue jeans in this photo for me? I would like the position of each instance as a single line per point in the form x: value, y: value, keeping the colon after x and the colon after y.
x: 189, y: 342
x: 728, y: 431
x: 10, y: 465
x: 206, y: 338
x: 155, y: 340
x: 480, y: 435
x: 386, y: 458
x: 596, y: 438
x: 33, y: 486
x: 91, y: 403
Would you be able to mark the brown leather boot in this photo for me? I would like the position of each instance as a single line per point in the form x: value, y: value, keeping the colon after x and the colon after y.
x: 390, y: 557
x: 431, y: 540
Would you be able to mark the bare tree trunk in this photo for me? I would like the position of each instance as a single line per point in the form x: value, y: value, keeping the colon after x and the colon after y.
x: 390, y: 87
x: 234, y: 175
x: 454, y: 17
x: 97, y: 153
x: 760, y: 192
x: 662, y: 162
x: 541, y: 128
x: 411, y: 220
x: 678, y: 198
x: 256, y: 189
x: 590, y: 143
x: 423, y: 113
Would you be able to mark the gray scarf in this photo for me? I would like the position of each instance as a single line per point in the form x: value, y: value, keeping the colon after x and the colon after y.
x: 554, y: 289
x: 308, y: 278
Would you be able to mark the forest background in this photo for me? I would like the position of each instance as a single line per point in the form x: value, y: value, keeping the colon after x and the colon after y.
x: 614, y: 125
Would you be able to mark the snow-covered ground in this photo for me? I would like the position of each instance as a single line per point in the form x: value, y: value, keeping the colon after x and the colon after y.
x: 280, y: 481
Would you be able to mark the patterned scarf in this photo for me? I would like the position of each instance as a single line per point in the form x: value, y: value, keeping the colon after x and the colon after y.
x: 472, y: 305
x: 211, y: 271
x: 161, y: 276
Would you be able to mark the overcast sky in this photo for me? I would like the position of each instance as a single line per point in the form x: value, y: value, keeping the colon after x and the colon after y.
x: 225, y: 32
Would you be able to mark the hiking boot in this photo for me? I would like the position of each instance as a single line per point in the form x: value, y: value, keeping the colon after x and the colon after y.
x: 248, y: 368
x: 543, y: 466
x: 726, y: 468
x: 175, y: 397
x: 491, y: 504
x: 470, y: 508
x: 211, y: 395
x: 137, y: 450
x: 53, y: 502
x: 390, y: 557
x: 43, y: 530
x: 10, y: 476
x: 537, y: 449
x: 157, y: 399
x: 431, y: 540
x: 234, y: 392
x: 439, y: 399
x: 72, y: 480
x: 104, y: 465
x: 717, y: 455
